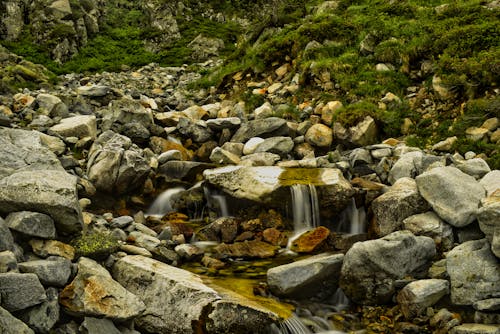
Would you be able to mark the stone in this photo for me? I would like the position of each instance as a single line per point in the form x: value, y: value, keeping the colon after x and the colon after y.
x: 476, y: 134
x: 98, y: 326
x: 11, y: 325
x: 50, y: 192
x: 196, y: 130
x: 77, y: 126
x: 488, y: 215
x: 274, y: 237
x: 51, y: 105
x: 55, y: 144
x: 304, y: 279
x: 189, y: 171
x: 401, y: 201
x: 93, y: 91
x: 45, y: 248
x: 218, y: 124
x: 454, y: 195
x: 144, y: 240
x: 224, y: 157
x: 445, y: 145
x: 205, y: 47
x: 267, y: 127
x: 415, y: 297
x: 246, y: 249
x: 443, y: 91
x: 429, y: 224
x: 475, y: 329
x: 492, y: 304
x: 8, y: 262
x: 6, y: 238
x: 265, y: 110
x: 116, y: 165
x: 32, y: 224
x: 491, y: 182
x: 124, y: 111
x: 260, y: 159
x: 44, y: 316
x: 495, y: 243
x: 54, y: 271
x: 251, y: 145
x: 93, y: 292
x: 371, y: 267
x: 188, y: 251
x: 364, y: 133
x: 408, y: 165
x: 476, y: 167
x: 277, y: 145
x: 20, y: 291
x: 310, y: 241
x: 178, y: 302
x: 319, y: 135
x: 474, y: 272
x: 491, y: 124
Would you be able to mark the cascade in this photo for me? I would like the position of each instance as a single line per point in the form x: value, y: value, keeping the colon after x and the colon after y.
x: 217, y: 202
x: 163, y: 203
x: 352, y: 219
x: 305, y: 207
x: 340, y: 300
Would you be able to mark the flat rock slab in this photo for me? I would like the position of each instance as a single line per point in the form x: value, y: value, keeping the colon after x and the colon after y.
x: 475, y: 329
x: 415, y: 297
x: 50, y: 192
x: 20, y: 291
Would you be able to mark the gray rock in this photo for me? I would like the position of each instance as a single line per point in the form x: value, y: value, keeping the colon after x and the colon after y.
x: 492, y: 304
x: 145, y: 241
x: 438, y: 270
x: 306, y: 278
x: 77, y: 126
x: 488, y: 215
x: 169, y: 156
x: 51, y: 192
x: 124, y: 111
x: 319, y: 135
x: 260, y: 159
x: 371, y: 268
x: 475, y: 329
x: 430, y: 225
x: 51, y: 105
x: 468, y: 233
x: 189, y: 171
x: 22, y: 150
x: 178, y: 302
x: 408, y: 165
x: 20, y: 291
x: 33, y: 224
x: 93, y: 91
x: 196, y: 130
x: 137, y: 132
x: 8, y: 262
x: 474, y: 272
x: 116, y: 165
x: 235, y: 148
x: 267, y: 127
x: 490, y: 318
x: 224, y: 157
x: 415, y: 297
x: 401, y: 201
x: 218, y: 124
x: 54, y: 271
x: 454, y: 195
x: 277, y: 145
x: 360, y: 156
x: 11, y: 325
x: 364, y: 133
x: 44, y: 316
x: 476, y: 167
x: 98, y: 326
x: 188, y: 251
x: 495, y: 243
x: 491, y: 181
x: 6, y: 238
x: 94, y: 293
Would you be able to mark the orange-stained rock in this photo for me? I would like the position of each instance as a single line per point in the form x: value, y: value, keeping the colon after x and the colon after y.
x: 275, y: 237
x: 311, y: 241
x: 46, y: 248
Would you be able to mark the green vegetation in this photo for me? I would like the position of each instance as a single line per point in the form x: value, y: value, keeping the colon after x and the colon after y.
x: 95, y: 245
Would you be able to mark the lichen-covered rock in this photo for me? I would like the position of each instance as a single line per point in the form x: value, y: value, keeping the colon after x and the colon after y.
x: 20, y: 291
x: 371, y: 267
x: 415, y: 297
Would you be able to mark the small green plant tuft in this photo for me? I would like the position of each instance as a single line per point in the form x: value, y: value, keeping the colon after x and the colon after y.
x: 95, y: 245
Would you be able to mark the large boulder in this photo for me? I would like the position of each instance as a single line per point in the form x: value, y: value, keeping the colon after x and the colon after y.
x: 177, y: 301
x: 474, y: 272
x: 115, y: 165
x: 454, y: 195
x: 306, y: 278
x: 95, y: 293
x: 401, y: 201
x: 267, y: 127
x: 51, y: 192
x: 271, y: 184
x: 371, y: 268
x: 22, y: 150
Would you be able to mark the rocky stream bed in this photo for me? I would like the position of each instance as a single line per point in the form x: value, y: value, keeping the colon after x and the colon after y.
x: 81, y: 164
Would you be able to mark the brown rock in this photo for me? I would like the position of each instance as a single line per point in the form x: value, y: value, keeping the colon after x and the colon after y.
x: 210, y: 262
x: 46, y: 248
x: 246, y: 249
x: 311, y: 241
x: 247, y: 235
x: 274, y: 237
x: 160, y: 145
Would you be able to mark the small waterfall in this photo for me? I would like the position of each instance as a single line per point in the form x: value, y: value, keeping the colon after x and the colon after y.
x: 340, y: 300
x: 353, y: 219
x: 216, y: 202
x: 305, y: 207
x: 162, y: 204
x: 293, y: 325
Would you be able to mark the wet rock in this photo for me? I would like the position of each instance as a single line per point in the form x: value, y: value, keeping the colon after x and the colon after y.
x: 32, y: 224
x: 311, y: 241
x: 401, y: 201
x: 430, y: 225
x: 274, y: 237
x: 178, y: 302
x: 77, y: 126
x: 45, y: 248
x: 246, y: 249
x: 415, y: 297
x: 11, y: 325
x: 267, y: 127
x: 20, y: 291
x: 98, y: 326
x: 116, y: 165
x: 371, y: 268
x: 54, y: 271
x: 51, y: 192
x: 454, y: 195
x: 44, y: 316
x: 474, y: 272
x: 93, y: 292
x: 475, y: 329
x: 8, y: 262
x: 316, y: 275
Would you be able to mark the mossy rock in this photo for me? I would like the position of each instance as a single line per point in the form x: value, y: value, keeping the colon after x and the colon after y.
x: 95, y: 245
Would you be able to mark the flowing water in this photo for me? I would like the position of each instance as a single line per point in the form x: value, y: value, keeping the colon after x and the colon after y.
x: 216, y: 202
x: 352, y: 219
x: 305, y: 207
x: 163, y: 203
